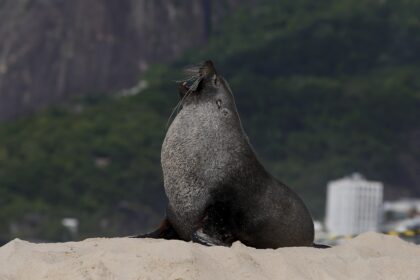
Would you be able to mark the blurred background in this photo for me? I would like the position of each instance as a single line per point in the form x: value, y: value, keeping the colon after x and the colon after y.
x: 325, y: 89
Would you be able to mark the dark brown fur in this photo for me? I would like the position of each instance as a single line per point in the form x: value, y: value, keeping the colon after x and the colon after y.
x: 218, y: 190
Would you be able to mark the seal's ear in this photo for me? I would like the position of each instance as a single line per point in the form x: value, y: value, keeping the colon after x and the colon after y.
x: 182, y: 89
x: 207, y: 70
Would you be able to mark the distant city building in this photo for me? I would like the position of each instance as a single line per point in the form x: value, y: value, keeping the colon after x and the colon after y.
x: 402, y: 215
x: 403, y: 207
x: 354, y: 205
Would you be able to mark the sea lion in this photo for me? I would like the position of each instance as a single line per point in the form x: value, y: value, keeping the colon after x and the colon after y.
x: 218, y: 191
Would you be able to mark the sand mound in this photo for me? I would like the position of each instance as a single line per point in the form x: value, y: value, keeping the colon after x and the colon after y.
x: 369, y: 256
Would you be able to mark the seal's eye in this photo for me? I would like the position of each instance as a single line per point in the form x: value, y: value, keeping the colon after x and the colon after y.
x: 215, y: 80
x: 219, y: 103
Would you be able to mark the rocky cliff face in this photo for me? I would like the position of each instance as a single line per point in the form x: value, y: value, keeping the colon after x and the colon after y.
x: 51, y: 50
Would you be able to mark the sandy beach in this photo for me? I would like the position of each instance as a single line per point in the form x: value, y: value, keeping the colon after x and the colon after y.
x: 368, y: 256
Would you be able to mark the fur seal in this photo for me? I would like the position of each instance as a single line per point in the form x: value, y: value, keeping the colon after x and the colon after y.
x: 218, y: 191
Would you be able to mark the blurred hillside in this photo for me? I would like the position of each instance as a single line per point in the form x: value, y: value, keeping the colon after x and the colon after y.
x: 324, y: 89
x: 53, y: 50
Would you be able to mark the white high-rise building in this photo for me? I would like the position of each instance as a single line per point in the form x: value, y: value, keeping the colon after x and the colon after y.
x: 354, y: 205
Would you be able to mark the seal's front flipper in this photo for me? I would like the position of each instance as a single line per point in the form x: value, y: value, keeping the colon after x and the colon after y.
x: 204, y: 239
x: 165, y: 231
x: 216, y: 226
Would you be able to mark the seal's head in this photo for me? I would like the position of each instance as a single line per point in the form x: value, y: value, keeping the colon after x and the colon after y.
x: 205, y: 85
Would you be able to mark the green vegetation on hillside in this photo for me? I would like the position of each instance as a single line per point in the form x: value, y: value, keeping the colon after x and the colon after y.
x: 324, y: 89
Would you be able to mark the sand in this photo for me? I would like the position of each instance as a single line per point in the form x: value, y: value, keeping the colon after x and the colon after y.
x: 369, y: 256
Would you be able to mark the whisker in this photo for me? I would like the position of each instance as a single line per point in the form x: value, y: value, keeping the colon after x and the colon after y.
x: 178, y: 105
x: 194, y: 77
